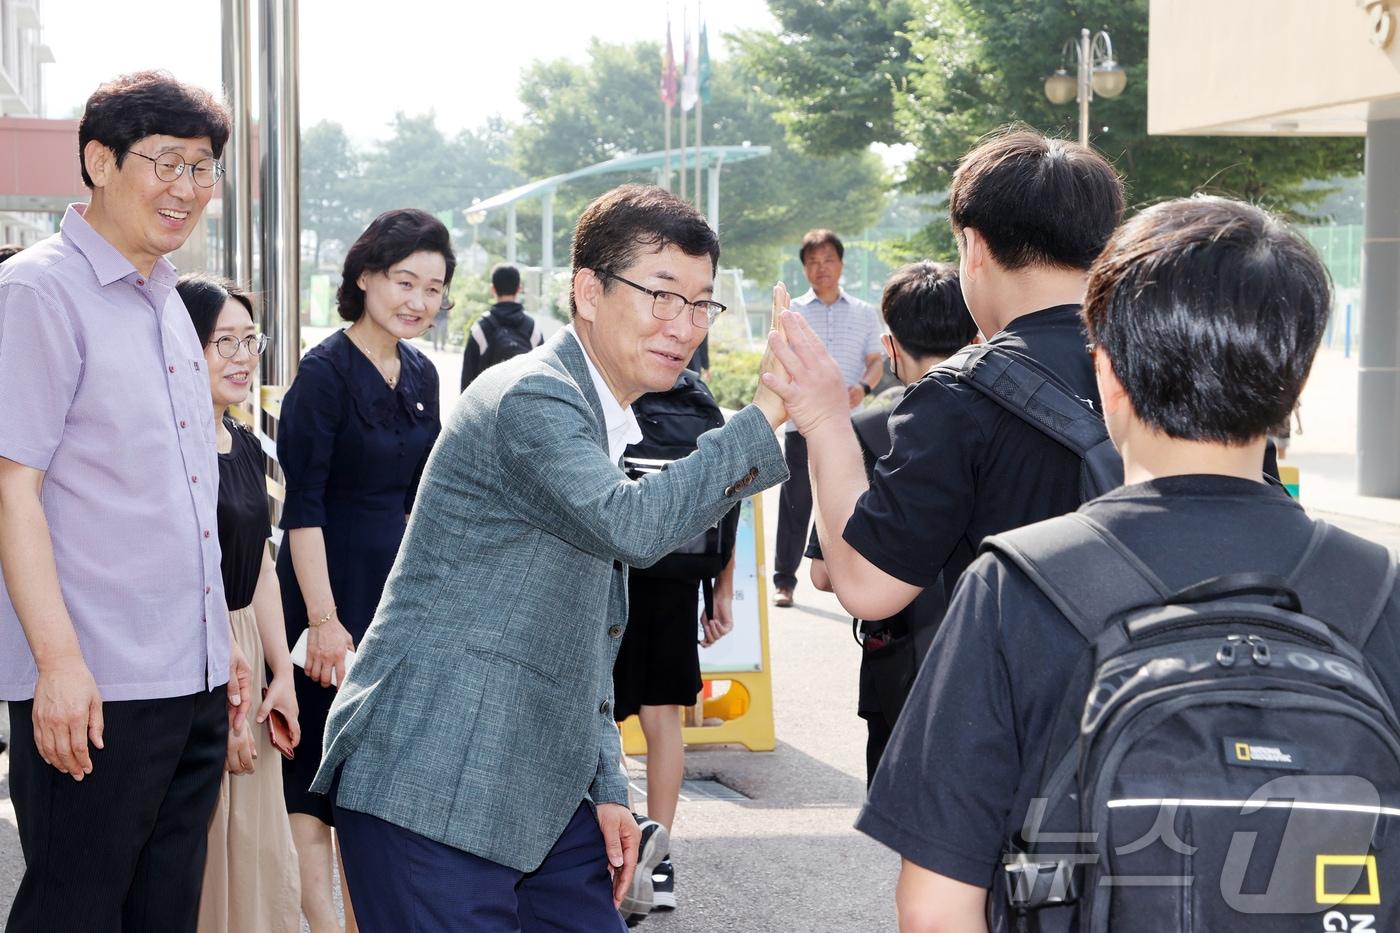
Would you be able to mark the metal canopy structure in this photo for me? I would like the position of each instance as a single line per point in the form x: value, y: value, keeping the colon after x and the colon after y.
x: 709, y: 158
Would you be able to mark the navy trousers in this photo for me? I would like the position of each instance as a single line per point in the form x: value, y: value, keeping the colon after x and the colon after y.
x: 401, y: 882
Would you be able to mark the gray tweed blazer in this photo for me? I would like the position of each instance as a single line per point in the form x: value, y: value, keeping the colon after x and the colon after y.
x: 479, y: 710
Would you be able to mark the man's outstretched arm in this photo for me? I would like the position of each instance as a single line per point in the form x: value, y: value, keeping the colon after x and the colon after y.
x: 813, y: 391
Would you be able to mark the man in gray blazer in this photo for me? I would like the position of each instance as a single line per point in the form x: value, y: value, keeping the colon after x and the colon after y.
x: 471, y: 752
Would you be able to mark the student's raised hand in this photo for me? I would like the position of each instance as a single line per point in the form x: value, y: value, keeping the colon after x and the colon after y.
x: 764, y: 397
x: 807, y: 379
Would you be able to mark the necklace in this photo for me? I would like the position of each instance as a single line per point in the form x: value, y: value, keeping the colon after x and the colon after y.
x: 390, y: 381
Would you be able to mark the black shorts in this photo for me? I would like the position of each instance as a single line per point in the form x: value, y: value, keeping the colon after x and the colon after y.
x: 658, y: 662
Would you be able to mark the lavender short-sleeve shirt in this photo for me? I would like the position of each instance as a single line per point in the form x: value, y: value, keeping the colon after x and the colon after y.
x: 103, y: 387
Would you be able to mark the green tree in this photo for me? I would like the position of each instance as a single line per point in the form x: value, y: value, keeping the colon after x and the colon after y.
x: 419, y: 166
x: 580, y: 114
x: 834, y: 69
x: 330, y: 188
x: 955, y: 70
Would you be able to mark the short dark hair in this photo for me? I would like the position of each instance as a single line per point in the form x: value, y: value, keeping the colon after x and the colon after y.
x: 631, y: 219
x: 205, y: 296
x: 149, y: 103
x: 1210, y: 311
x: 505, y: 279
x: 923, y: 307
x: 820, y: 237
x: 1035, y: 200
x: 9, y: 249
x: 392, y: 237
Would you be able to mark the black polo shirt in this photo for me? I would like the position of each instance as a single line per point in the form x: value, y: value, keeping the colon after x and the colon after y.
x: 961, y: 467
x: 967, y: 753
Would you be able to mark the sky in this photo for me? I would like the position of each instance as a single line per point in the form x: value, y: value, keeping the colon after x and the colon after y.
x: 362, y: 61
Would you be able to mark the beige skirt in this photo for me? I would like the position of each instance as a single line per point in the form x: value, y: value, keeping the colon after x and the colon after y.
x: 251, y: 880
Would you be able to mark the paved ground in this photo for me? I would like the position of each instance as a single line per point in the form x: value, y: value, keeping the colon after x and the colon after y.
x: 786, y: 858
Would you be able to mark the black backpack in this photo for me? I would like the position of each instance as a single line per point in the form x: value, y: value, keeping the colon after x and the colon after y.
x: 671, y: 423
x: 1224, y: 758
x: 1023, y: 388
x: 503, y: 343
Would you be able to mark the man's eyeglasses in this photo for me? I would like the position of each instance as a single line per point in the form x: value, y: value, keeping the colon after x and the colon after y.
x: 667, y: 306
x: 205, y: 173
x: 228, y: 345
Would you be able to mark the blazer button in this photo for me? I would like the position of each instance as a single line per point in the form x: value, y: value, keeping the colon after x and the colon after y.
x: 753, y: 473
x: 615, y: 631
x: 605, y: 707
x: 728, y: 491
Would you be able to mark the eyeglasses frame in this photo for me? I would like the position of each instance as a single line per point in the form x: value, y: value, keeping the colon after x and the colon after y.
x: 704, y: 303
x: 219, y: 170
x: 247, y: 343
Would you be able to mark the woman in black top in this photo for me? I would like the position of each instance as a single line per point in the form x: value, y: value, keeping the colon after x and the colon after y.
x: 251, y: 880
x: 354, y: 434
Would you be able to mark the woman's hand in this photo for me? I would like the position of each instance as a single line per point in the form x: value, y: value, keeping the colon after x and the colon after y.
x: 326, y: 645
x: 282, y: 697
x: 722, y: 622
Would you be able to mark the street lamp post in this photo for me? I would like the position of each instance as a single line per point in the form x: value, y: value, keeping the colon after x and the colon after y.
x: 1098, y: 71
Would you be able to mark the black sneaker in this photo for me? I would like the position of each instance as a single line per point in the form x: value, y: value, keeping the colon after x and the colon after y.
x: 641, y: 894
x: 663, y: 885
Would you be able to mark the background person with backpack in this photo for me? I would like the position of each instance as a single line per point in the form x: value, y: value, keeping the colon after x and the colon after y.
x: 1182, y: 646
x: 657, y: 671
x: 504, y: 331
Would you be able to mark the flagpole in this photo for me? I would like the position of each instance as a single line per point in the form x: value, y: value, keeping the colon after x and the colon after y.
x: 699, y: 123
x: 667, y: 176
x: 682, y: 151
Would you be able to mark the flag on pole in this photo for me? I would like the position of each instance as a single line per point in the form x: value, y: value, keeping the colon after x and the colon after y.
x: 668, y: 70
x: 690, y: 80
x: 703, y: 66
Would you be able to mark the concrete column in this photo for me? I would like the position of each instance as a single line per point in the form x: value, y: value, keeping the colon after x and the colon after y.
x: 1378, y: 412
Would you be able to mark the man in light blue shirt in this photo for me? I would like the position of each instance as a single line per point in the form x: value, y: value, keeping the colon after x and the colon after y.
x: 851, y: 329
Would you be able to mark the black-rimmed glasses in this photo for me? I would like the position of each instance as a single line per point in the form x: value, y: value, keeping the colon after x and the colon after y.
x: 667, y: 306
x: 228, y: 345
x: 205, y: 173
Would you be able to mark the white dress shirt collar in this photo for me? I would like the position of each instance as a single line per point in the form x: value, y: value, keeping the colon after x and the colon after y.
x: 621, y: 423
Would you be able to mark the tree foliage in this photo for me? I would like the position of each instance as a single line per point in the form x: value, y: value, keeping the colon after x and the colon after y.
x: 955, y: 70
x: 580, y: 114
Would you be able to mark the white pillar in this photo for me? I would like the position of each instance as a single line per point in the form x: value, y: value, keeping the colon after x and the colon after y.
x: 547, y: 252
x: 510, y: 234
x: 1377, y: 432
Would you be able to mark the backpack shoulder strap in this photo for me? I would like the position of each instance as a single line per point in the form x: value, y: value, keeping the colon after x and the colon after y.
x: 1344, y: 580
x: 478, y: 333
x: 1023, y: 389
x: 1082, y: 568
x: 536, y: 338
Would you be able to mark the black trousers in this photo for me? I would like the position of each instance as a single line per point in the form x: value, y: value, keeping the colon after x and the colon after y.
x: 794, y: 512
x: 123, y: 850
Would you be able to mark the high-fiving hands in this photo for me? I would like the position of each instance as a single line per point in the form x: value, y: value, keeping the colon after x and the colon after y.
x: 798, y: 369
x: 764, y: 397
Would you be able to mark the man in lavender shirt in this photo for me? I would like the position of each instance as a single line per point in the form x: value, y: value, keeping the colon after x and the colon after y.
x: 115, y: 649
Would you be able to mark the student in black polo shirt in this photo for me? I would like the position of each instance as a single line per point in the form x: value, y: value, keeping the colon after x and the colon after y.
x: 1030, y: 214
x: 1206, y: 314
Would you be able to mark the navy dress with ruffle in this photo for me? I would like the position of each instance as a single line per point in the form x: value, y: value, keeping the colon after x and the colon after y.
x: 352, y: 451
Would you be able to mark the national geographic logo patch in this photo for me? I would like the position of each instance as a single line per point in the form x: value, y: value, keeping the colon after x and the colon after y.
x: 1351, y: 872
x: 1261, y: 753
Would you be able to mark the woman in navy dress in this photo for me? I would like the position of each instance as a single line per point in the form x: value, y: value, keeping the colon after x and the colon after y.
x: 355, y: 431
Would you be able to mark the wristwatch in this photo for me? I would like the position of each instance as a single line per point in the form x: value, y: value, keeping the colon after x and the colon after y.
x: 868, y: 388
